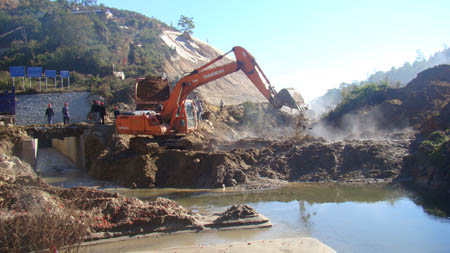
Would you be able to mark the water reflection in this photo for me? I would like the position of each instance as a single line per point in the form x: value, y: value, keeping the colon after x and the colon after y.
x: 309, y: 193
x: 348, y: 218
x: 305, y: 217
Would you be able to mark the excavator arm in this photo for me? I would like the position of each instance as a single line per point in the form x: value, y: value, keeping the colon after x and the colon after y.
x: 244, y: 62
x: 173, y: 118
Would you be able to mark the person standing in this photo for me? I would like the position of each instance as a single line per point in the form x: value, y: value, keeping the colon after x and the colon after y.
x: 94, y: 111
x: 49, y: 113
x: 116, y: 111
x: 102, y: 112
x: 65, y: 112
x: 199, y: 110
x: 221, y: 105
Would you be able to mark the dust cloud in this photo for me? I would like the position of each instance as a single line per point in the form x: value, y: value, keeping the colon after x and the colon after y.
x: 360, y: 125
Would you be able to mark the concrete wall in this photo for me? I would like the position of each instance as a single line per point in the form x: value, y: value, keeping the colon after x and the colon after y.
x: 71, y: 147
x: 29, y: 150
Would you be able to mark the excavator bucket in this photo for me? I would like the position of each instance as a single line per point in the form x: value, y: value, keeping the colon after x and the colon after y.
x: 291, y: 98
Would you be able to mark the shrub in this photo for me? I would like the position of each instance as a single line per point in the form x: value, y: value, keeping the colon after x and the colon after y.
x: 436, y: 147
x: 25, y: 232
x: 358, y: 96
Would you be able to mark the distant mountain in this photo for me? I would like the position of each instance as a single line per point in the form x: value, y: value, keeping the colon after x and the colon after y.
x: 396, y: 77
x: 408, y: 71
x: 325, y: 103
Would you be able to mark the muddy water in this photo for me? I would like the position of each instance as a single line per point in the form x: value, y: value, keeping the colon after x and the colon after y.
x: 349, y: 218
x: 366, y: 218
x: 58, y: 170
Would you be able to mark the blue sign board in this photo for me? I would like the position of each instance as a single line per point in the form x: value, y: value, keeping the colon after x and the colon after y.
x: 17, y: 71
x: 64, y: 73
x: 34, y: 71
x: 50, y: 73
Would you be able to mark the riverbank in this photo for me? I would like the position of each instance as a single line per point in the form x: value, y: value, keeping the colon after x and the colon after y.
x: 345, y: 217
x: 300, y: 245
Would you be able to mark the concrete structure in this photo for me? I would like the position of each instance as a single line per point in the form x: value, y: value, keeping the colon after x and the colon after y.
x: 73, y: 148
x: 28, y: 151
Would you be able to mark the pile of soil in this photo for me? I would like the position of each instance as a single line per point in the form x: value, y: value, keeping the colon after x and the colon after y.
x: 247, y: 120
x: 10, y: 136
x: 99, y: 214
x: 153, y: 89
x: 309, y: 160
x: 422, y: 99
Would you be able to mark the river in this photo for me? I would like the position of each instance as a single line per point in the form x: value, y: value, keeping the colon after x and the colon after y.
x: 348, y: 218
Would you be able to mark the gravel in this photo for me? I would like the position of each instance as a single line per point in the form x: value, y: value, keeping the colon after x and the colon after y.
x: 30, y: 109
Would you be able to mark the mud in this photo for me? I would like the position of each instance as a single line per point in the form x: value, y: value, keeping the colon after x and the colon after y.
x: 106, y: 214
x: 253, y: 162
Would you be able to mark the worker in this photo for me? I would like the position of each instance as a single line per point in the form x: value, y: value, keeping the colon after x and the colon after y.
x: 65, y: 112
x: 94, y: 111
x: 199, y: 110
x: 102, y: 112
x: 49, y: 113
x: 116, y: 111
x: 221, y: 105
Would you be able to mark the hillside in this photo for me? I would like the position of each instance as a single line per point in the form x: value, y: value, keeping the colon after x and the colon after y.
x: 89, y: 40
x: 93, y: 41
x: 386, y: 108
x: 423, y: 105
x: 404, y: 74
x: 395, y: 77
x: 193, y: 53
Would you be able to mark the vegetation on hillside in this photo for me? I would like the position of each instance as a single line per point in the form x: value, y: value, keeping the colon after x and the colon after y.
x: 186, y: 24
x: 87, y: 39
x: 356, y: 96
x: 395, y: 78
x: 437, y: 149
x: 404, y: 74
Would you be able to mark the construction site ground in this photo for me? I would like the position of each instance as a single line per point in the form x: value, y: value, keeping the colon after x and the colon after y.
x: 245, y: 146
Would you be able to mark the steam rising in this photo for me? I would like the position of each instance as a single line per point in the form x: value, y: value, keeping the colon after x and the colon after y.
x: 362, y: 124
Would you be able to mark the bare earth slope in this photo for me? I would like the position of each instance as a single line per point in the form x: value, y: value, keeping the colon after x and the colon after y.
x: 232, y: 89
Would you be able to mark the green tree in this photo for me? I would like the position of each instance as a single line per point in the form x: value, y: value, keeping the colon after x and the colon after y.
x: 186, y: 24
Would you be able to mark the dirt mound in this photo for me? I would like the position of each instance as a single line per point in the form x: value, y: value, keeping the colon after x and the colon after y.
x: 424, y: 98
x: 10, y: 136
x: 152, y: 89
x: 30, y: 208
x: 236, y: 212
x: 281, y: 161
x: 247, y: 120
x: 440, y: 73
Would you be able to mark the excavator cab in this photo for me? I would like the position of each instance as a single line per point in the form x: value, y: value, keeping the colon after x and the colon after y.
x: 190, y: 114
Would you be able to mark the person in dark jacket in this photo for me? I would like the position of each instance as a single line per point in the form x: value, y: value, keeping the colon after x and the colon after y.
x: 116, y: 111
x: 65, y: 112
x: 49, y: 113
x: 94, y: 111
x: 102, y: 112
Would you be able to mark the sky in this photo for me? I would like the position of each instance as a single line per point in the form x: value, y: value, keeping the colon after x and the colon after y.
x: 309, y: 45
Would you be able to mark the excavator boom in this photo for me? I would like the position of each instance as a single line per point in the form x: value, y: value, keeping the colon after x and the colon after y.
x: 244, y: 62
x: 173, y: 119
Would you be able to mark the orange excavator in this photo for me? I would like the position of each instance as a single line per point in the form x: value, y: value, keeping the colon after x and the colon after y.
x: 173, y: 115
